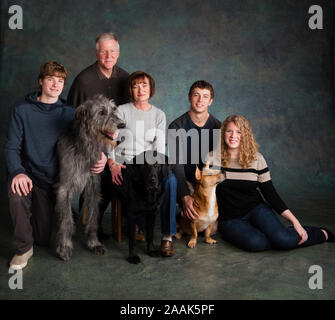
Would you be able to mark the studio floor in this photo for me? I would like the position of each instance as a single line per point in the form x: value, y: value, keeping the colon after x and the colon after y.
x: 208, y: 272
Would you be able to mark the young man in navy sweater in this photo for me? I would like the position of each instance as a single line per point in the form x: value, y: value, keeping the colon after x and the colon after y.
x: 30, y: 151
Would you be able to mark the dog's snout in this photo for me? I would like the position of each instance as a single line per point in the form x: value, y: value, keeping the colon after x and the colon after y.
x: 152, y: 180
x: 121, y: 125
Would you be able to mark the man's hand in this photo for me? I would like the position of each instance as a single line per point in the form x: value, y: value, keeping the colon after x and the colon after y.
x: 115, y: 170
x: 188, y: 208
x: 21, y: 183
x: 99, y: 166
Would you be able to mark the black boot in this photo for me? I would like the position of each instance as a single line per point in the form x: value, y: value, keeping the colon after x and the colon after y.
x: 331, y: 236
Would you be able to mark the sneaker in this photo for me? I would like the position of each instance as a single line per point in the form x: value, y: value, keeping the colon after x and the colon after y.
x: 19, y: 261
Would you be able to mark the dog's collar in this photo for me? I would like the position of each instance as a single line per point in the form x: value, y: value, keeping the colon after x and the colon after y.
x: 107, y: 136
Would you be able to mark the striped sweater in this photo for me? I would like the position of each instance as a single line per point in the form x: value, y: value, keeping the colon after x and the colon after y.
x: 242, y: 189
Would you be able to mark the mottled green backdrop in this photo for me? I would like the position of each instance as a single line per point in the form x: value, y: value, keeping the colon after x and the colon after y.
x: 260, y: 55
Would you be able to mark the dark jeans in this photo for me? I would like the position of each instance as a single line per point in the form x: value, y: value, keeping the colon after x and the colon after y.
x: 168, y: 207
x: 32, y: 217
x: 261, y: 230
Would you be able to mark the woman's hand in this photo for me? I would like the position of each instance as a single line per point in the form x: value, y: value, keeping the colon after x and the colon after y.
x: 21, y: 183
x: 100, y: 165
x: 302, y: 233
x: 287, y: 214
x: 115, y: 170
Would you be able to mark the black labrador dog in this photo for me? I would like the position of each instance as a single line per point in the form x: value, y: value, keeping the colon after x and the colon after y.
x: 142, y: 192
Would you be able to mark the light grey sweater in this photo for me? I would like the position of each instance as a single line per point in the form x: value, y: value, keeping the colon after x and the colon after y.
x: 145, y: 130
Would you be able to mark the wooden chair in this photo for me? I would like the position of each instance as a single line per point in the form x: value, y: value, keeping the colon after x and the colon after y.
x: 116, y: 211
x: 116, y: 207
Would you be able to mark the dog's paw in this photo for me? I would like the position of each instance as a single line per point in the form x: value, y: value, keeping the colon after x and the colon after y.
x: 99, y: 250
x: 178, y: 235
x: 134, y: 259
x: 152, y: 250
x: 64, y: 252
x: 192, y: 243
x: 154, y: 253
x: 210, y: 241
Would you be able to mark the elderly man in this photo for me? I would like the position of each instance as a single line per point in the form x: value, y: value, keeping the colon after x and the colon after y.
x: 106, y: 78
x: 103, y: 76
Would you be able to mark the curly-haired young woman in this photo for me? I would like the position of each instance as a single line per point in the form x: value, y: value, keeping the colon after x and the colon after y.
x: 245, y: 219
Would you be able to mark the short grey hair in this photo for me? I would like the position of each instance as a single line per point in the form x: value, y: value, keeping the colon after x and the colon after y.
x: 104, y: 37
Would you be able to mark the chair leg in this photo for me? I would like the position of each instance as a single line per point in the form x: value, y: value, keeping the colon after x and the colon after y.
x: 116, y: 219
x: 119, y: 221
x: 113, y: 212
x: 84, y: 218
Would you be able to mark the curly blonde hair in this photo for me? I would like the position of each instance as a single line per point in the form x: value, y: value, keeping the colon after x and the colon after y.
x: 248, y: 144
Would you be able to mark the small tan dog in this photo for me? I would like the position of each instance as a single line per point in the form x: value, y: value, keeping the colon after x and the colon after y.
x: 204, y: 195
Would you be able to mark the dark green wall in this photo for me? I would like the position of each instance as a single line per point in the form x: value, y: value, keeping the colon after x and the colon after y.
x: 261, y: 57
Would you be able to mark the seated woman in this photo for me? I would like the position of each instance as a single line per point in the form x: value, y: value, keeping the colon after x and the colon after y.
x: 245, y: 219
x: 145, y: 130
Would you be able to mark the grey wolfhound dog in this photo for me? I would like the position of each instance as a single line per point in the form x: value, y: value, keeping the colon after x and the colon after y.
x: 93, y: 131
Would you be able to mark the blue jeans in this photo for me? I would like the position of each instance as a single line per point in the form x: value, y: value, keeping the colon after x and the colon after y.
x: 168, y: 208
x: 261, y: 230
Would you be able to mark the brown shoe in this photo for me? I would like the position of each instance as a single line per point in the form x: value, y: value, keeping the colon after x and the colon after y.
x: 167, y: 248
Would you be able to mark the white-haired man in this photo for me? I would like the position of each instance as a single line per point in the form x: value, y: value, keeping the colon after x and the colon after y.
x: 102, y: 77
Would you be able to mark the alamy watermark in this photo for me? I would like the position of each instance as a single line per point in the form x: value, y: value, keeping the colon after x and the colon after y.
x: 316, y: 20
x: 16, y: 20
x: 192, y: 146
x: 316, y: 280
x: 16, y: 280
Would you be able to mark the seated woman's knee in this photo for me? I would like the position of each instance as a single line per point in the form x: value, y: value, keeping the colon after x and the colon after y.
x: 283, y: 240
x: 256, y: 244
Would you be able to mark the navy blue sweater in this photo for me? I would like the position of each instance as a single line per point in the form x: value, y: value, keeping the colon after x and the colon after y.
x: 31, y: 141
x: 186, y: 171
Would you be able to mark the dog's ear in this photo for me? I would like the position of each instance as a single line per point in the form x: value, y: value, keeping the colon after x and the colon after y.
x: 81, y: 113
x: 197, y: 174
